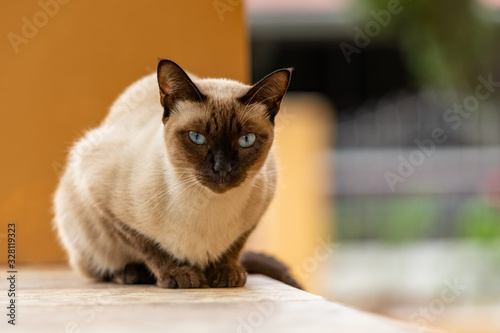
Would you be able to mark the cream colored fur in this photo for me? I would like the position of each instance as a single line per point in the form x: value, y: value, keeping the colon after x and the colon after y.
x: 123, y: 169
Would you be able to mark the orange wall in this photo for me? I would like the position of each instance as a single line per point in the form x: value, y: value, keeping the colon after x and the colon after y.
x: 60, y: 78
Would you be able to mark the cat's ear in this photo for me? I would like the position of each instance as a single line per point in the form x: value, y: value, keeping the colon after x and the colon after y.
x: 175, y: 85
x: 269, y: 91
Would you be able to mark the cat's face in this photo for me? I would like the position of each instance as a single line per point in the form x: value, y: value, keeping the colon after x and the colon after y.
x: 218, y: 132
x: 220, y: 146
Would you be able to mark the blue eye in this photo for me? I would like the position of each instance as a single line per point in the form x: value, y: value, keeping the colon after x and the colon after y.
x: 247, y: 140
x: 197, y: 138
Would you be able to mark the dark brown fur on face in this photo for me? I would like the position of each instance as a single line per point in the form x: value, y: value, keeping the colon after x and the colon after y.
x: 221, y: 151
x: 220, y: 163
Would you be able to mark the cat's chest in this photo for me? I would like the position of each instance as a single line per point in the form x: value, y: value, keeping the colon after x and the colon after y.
x: 199, y: 228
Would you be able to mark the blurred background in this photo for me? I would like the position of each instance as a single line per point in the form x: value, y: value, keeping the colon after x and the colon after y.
x: 389, y: 139
x: 415, y: 154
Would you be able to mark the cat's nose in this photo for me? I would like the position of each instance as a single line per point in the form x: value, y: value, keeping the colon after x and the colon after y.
x: 222, y: 168
x: 222, y: 164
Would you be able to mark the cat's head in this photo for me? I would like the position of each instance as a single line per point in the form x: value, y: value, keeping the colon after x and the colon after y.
x: 217, y: 131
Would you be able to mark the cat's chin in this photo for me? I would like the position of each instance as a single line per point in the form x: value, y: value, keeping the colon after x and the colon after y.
x: 220, y: 187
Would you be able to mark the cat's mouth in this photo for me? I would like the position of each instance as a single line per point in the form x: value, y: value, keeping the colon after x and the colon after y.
x: 221, y: 183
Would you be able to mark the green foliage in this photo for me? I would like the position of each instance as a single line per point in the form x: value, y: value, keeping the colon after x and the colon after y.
x: 397, y: 219
x: 479, y: 220
x: 411, y: 218
x: 447, y: 43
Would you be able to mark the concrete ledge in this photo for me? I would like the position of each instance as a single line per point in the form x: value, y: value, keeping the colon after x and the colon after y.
x: 54, y: 299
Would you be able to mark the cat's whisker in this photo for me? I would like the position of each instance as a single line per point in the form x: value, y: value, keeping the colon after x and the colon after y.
x: 172, y: 189
x: 269, y: 172
x: 182, y: 183
x: 187, y: 187
x: 160, y: 199
x: 250, y: 116
x: 263, y: 185
x: 248, y: 108
x: 154, y: 197
x: 161, y: 194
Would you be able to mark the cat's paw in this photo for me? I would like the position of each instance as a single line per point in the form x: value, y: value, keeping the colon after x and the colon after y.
x: 226, y: 276
x: 182, y: 277
x: 134, y: 273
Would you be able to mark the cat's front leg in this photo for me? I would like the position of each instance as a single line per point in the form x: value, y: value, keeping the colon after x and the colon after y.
x: 166, y: 270
x: 227, y: 271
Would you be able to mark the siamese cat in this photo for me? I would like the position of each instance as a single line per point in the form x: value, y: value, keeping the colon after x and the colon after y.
x: 167, y: 189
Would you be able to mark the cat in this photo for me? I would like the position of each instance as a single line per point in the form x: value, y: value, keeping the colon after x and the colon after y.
x: 168, y: 188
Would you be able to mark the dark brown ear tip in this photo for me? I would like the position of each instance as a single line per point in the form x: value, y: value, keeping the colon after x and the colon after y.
x: 287, y: 71
x: 166, y: 62
x: 162, y: 62
x: 166, y: 66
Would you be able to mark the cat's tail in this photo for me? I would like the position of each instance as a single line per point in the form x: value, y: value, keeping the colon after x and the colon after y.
x: 259, y: 263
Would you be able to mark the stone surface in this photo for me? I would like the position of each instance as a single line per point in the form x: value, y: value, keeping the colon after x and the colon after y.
x: 55, y: 299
